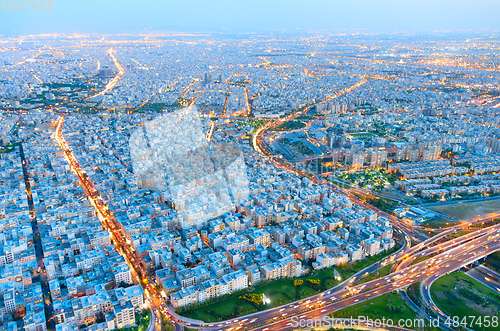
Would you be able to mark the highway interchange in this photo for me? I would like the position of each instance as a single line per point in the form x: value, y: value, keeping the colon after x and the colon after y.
x: 447, y: 256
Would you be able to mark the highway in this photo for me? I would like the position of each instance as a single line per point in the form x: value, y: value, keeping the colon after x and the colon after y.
x: 405, y: 270
x: 263, y: 150
x: 109, y: 86
x: 421, y: 312
x: 485, y: 276
x: 118, y: 236
x: 294, y: 308
x: 123, y: 243
x: 425, y: 289
x: 443, y: 263
x: 455, y: 256
x: 444, y: 245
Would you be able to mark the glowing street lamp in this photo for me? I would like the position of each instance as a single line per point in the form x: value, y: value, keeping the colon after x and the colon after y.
x: 265, y: 300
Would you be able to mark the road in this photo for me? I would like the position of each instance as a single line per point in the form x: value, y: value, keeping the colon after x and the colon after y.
x: 420, y: 312
x: 426, y: 284
x: 409, y: 273
x: 258, y: 143
x: 315, y: 306
x: 485, y: 277
x: 109, y: 86
x: 452, y: 259
x: 118, y: 235
x: 444, y: 246
x: 42, y: 273
x: 123, y: 243
x: 294, y: 308
x: 443, y: 263
x: 488, y: 271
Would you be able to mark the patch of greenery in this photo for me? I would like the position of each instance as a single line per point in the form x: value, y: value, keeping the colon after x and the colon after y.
x: 388, y: 305
x: 469, y: 210
x: 280, y: 292
x: 493, y: 262
x: 371, y: 179
x: 451, y: 292
x: 379, y: 202
x: 255, y: 123
x: 440, y: 222
x: 291, y: 125
x: 382, y: 272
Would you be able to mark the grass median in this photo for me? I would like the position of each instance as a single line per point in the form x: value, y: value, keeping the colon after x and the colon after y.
x: 388, y: 306
x: 459, y: 295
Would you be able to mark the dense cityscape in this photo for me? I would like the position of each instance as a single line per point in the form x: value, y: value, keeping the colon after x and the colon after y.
x: 250, y: 181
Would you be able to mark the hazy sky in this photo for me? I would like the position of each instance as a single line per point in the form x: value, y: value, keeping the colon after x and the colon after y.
x: 112, y: 16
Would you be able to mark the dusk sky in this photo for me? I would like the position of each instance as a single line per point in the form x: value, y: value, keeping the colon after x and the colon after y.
x: 114, y: 16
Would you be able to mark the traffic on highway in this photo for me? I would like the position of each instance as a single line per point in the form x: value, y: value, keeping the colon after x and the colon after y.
x: 447, y: 256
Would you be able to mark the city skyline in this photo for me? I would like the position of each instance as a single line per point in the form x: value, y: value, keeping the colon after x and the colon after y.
x: 224, y: 166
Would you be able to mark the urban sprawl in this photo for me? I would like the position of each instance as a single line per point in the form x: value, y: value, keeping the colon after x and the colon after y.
x: 146, y: 176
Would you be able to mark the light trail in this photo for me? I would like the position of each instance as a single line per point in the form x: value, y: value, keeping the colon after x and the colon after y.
x: 248, y: 110
x: 260, y: 132
x: 141, y: 66
x: 136, y: 62
x: 186, y: 90
x: 159, y: 92
x: 225, y: 104
x: 266, y: 62
x: 36, y: 77
x: 411, y: 274
x: 32, y: 58
x: 211, y: 132
x: 120, y: 238
x: 228, y: 80
x: 115, y: 80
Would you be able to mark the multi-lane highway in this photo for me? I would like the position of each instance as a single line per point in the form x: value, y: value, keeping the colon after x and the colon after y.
x: 486, y: 276
x: 122, y: 243
x: 452, y: 249
x: 447, y: 257
x: 439, y: 246
x: 441, y: 264
x: 119, y: 237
